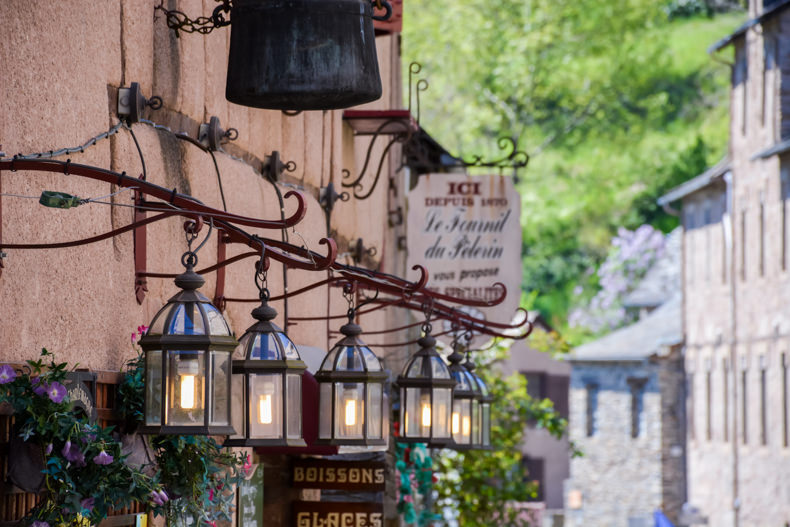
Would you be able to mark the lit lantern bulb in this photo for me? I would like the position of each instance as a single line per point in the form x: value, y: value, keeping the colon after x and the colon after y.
x: 456, y: 423
x: 351, y: 412
x: 188, y: 392
x: 265, y: 409
x: 426, y: 414
x: 466, y: 425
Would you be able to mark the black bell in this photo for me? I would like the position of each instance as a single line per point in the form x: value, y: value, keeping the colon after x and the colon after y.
x: 302, y: 54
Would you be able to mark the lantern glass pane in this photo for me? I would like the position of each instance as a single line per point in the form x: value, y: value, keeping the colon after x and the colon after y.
x: 417, y: 419
x: 442, y: 401
x: 329, y: 360
x: 238, y: 405
x: 294, y: 402
x: 372, y: 362
x: 266, y: 405
x: 153, y: 388
x: 461, y: 422
x: 325, y: 410
x: 350, y: 360
x: 187, y: 320
x: 264, y: 348
x: 418, y: 369
x: 220, y: 367
x: 486, y: 423
x: 439, y: 369
x: 216, y: 322
x: 475, y: 422
x: 158, y: 325
x: 349, y: 410
x: 186, y: 378
x: 289, y: 349
x: 374, y: 423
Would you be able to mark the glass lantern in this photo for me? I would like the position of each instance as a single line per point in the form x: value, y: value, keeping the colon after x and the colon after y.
x: 465, y: 420
x: 426, y: 397
x: 351, y: 394
x: 267, y: 386
x: 188, y: 350
x: 483, y: 437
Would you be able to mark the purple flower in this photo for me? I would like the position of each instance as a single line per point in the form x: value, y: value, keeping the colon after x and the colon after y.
x: 56, y: 392
x: 39, y: 523
x: 7, y: 374
x: 159, y: 497
x: 39, y: 388
x: 87, y: 504
x: 103, y: 458
x: 72, y: 453
x: 48, y: 450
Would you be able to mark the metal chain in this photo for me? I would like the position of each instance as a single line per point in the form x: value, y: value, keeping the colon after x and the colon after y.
x: 74, y: 149
x: 179, y: 21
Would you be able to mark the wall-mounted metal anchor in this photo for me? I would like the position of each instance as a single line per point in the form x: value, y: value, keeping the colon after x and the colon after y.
x: 395, y: 217
x: 358, y: 251
x: 273, y: 166
x: 131, y: 103
x: 401, y: 243
x: 329, y: 195
x: 211, y: 135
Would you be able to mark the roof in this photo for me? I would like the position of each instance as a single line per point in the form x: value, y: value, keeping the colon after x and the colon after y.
x: 778, y: 148
x: 663, y: 279
x: 710, y: 176
x: 639, y: 341
x: 774, y: 9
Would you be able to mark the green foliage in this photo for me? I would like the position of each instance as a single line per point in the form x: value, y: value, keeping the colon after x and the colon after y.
x: 85, y: 473
x: 479, y: 486
x: 615, y: 101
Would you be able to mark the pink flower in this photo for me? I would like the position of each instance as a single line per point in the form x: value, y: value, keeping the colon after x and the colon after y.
x: 103, y: 458
x: 7, y: 374
x: 56, y: 392
x: 142, y: 329
x: 134, y: 337
x: 247, y: 465
x: 210, y: 494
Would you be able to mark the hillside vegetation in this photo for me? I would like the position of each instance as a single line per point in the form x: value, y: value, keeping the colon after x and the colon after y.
x: 616, y: 101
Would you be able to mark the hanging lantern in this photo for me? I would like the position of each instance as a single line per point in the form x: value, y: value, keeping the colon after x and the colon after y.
x: 426, y: 396
x: 188, y: 350
x: 267, y: 383
x: 302, y: 54
x: 351, y: 391
x: 465, y: 420
x: 483, y: 433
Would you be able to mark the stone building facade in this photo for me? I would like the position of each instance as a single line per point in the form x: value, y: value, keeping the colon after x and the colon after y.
x: 736, y: 284
x: 627, y: 412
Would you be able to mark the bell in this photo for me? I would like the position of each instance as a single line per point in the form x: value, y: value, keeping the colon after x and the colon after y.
x: 302, y: 54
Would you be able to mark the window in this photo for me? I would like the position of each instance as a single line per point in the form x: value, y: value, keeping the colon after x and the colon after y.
x: 725, y: 418
x: 536, y: 384
x: 784, y: 401
x: 763, y: 404
x: 709, y: 405
x: 706, y: 220
x: 744, y: 411
x: 592, y: 408
x: 784, y: 182
x: 690, y: 404
x: 739, y: 77
x: 743, y: 244
x: 770, y: 52
x: 534, y: 467
x: 637, y: 386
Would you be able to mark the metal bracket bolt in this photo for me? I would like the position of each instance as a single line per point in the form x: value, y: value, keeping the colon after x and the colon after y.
x: 359, y: 251
x: 328, y: 196
x: 273, y: 166
x: 131, y: 103
x: 211, y: 135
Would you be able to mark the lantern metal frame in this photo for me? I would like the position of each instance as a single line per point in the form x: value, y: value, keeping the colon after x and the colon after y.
x: 418, y: 377
x: 248, y: 370
x: 484, y: 408
x: 333, y: 373
x: 466, y: 390
x: 172, y: 342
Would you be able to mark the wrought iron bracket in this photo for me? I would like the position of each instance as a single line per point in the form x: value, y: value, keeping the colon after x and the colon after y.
x: 273, y: 166
x: 131, y: 103
x: 211, y: 135
x: 327, y: 197
x: 140, y: 243
x: 399, y: 125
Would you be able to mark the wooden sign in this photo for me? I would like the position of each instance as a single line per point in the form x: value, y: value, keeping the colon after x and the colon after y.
x: 249, y: 509
x: 337, y: 514
x: 344, y: 475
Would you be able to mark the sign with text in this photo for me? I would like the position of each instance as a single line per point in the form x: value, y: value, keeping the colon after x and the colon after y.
x: 337, y: 514
x: 343, y: 475
x: 465, y: 230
